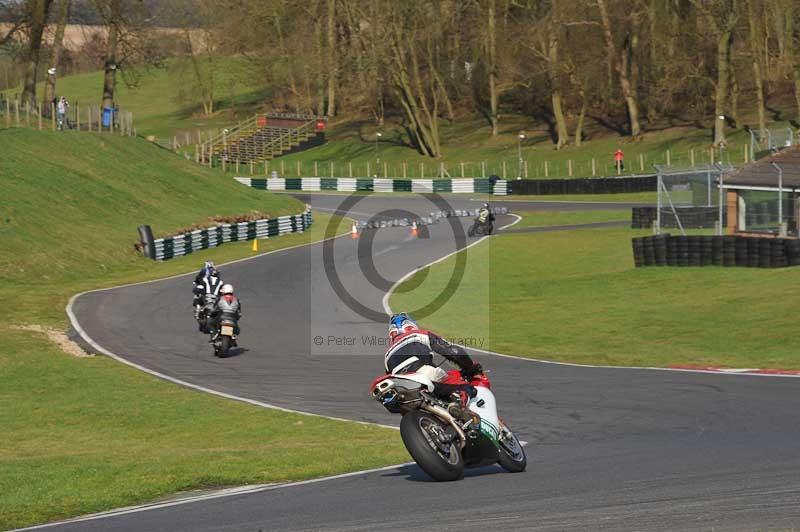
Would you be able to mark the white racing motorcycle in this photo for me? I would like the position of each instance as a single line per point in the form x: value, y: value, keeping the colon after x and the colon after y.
x: 441, y: 443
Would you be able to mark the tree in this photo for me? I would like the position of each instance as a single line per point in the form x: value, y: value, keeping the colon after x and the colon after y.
x: 55, y: 54
x: 36, y: 12
x: 755, y: 23
x: 111, y: 11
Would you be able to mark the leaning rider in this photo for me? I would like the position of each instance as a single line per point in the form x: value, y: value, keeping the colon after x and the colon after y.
x: 411, y: 350
x: 485, y: 214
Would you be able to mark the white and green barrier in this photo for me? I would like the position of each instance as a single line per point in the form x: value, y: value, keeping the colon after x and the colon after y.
x: 369, y: 184
x: 183, y: 244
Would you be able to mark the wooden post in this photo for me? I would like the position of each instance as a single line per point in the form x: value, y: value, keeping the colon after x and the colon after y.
x: 546, y: 170
x: 331, y: 169
x: 316, y: 171
x: 237, y: 166
x: 385, y: 170
x: 16, y: 111
x: 421, y: 170
x: 462, y: 170
x: 404, y: 169
x: 53, y: 116
x: 569, y: 167
x: 669, y: 158
x: 197, y: 154
x: 504, y: 170
x: 251, y: 167
x: 28, y: 114
x: 283, y: 168
x: 369, y: 173
x: 745, y: 153
x: 691, y: 157
x: 39, y: 106
x: 483, y: 168
x: 641, y: 162
x: 186, y: 137
x: 711, y: 155
x: 350, y: 168
x: 266, y: 167
x: 526, y: 169
x: 298, y: 167
x: 224, y: 163
x: 8, y: 113
x: 594, y: 167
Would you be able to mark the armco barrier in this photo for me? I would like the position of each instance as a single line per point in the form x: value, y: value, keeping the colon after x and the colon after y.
x: 343, y: 184
x: 183, y: 244
x: 729, y: 250
x: 590, y: 185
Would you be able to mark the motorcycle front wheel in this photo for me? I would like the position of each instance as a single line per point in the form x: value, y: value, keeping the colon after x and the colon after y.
x: 425, y: 437
x: 511, y: 455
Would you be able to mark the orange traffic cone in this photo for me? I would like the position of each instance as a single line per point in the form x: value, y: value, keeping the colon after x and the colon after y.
x: 414, y: 230
x: 354, y: 232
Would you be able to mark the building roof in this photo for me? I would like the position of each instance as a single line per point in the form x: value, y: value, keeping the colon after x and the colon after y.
x: 763, y: 174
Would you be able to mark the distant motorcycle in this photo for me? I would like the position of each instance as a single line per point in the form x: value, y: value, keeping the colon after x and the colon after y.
x: 432, y: 431
x: 480, y: 229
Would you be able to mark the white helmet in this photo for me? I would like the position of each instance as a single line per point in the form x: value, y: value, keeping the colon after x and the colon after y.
x: 226, y: 289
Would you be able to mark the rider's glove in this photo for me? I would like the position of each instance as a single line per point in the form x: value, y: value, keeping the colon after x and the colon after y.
x: 469, y: 373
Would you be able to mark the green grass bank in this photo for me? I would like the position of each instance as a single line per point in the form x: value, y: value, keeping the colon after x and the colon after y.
x: 85, y: 434
x: 575, y: 296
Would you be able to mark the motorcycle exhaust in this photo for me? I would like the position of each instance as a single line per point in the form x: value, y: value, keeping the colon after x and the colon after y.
x: 440, y: 412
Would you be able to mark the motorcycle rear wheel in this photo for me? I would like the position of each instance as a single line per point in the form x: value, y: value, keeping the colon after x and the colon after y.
x: 224, y: 346
x: 471, y: 230
x: 421, y: 434
x: 511, y: 455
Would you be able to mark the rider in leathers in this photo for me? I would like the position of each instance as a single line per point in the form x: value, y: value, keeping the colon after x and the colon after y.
x: 411, y: 350
x: 207, y: 281
x: 228, y: 307
x: 485, y: 215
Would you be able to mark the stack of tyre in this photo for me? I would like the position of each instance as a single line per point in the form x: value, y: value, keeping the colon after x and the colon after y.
x: 703, y: 250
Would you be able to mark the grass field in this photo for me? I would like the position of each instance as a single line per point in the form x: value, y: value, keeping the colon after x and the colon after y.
x: 575, y: 296
x: 544, y: 218
x: 87, y: 434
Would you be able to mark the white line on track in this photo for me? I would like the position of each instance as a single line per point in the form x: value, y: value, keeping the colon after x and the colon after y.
x: 227, y: 492
x: 100, y: 349
x: 740, y: 373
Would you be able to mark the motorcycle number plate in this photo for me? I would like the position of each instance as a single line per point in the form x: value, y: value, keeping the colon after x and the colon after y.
x: 227, y: 330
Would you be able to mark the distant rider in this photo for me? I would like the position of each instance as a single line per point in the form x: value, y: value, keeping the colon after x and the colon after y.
x: 228, y: 308
x: 411, y: 350
x: 207, y: 281
x: 485, y: 215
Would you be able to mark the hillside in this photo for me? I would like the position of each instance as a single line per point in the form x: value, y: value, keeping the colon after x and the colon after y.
x: 71, y: 202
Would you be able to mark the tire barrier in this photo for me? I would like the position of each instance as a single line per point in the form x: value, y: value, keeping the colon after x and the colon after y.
x: 690, y: 217
x: 357, y: 184
x: 742, y: 251
x: 589, y: 185
x: 379, y: 222
x: 183, y: 244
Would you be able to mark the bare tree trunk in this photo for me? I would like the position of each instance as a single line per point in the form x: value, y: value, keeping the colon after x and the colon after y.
x: 37, y: 20
x: 55, y: 55
x: 332, y: 67
x: 581, y: 116
x: 755, y: 52
x: 622, y: 66
x: 110, y: 68
x: 724, y: 43
x: 793, y: 51
x: 555, y: 91
x: 492, y: 49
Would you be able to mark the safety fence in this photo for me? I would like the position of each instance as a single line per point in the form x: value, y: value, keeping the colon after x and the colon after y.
x: 344, y: 184
x: 600, y: 185
x: 689, y: 217
x: 706, y: 250
x: 183, y: 244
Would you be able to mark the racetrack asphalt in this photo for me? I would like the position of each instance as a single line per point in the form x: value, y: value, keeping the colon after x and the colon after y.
x: 609, y: 449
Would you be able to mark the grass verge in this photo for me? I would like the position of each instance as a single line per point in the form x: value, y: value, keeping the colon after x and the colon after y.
x: 575, y: 296
x: 88, y: 434
x: 549, y: 218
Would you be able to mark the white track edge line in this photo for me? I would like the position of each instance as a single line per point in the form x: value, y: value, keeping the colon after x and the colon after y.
x: 388, y: 311
x: 226, y: 492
